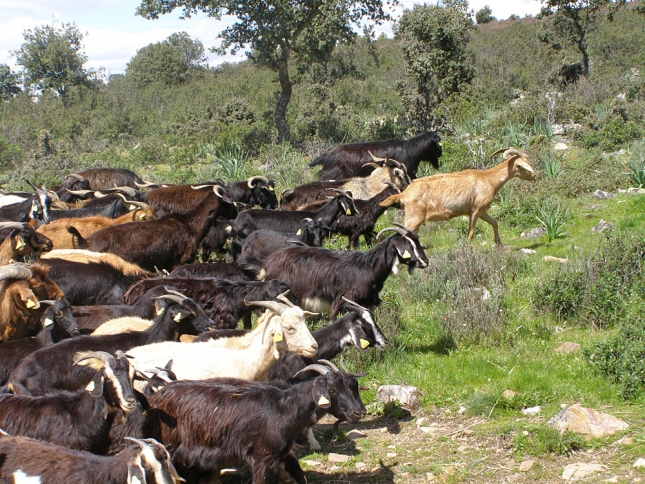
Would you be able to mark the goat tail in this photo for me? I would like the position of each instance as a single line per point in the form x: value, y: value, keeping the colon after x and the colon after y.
x: 318, y: 161
x: 78, y: 241
x: 252, y: 264
x: 391, y: 200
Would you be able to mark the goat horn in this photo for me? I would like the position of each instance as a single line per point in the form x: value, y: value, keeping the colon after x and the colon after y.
x: 255, y: 179
x: 53, y: 195
x: 101, y: 355
x: 145, y: 184
x: 80, y: 193
x: 323, y: 370
x: 49, y: 302
x: 497, y: 153
x: 36, y: 189
x: 355, y: 304
x: 274, y: 306
x: 11, y: 225
x: 513, y: 151
x: 283, y: 297
x: 176, y: 293
x: 329, y: 364
x: 129, y: 191
x: 15, y: 271
x: 388, y: 229
x: 140, y: 205
x: 199, y: 187
x: 374, y: 158
x: 171, y: 297
x: 371, y: 163
x: 77, y: 176
x: 219, y: 191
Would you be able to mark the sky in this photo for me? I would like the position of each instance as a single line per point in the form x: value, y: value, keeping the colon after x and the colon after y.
x: 113, y: 33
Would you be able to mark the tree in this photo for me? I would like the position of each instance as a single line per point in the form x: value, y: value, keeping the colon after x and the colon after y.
x: 171, y: 61
x: 9, y: 82
x: 53, y: 59
x: 484, y: 15
x: 276, y: 30
x: 435, y: 41
x: 571, y: 21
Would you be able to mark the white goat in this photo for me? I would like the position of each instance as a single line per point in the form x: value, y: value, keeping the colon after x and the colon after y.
x: 281, y: 328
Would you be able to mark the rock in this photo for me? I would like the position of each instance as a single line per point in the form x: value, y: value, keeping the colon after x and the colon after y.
x: 550, y: 258
x: 639, y: 463
x: 568, y: 347
x: 375, y: 470
x: 337, y: 457
x: 557, y: 130
x: 461, y: 448
x: 405, y: 395
x: 527, y: 251
x: 602, y: 226
x: 533, y: 233
x: 429, y: 476
x: 514, y: 477
x: 560, y: 147
x: 508, y: 394
x: 575, y: 472
x: 355, y: 434
x: 421, y: 421
x: 430, y: 430
x: 526, y: 465
x: 468, y: 431
x: 312, y: 463
x: 361, y: 466
x: 599, y: 194
x: 510, y: 463
x: 532, y: 410
x: 611, y: 479
x: 586, y: 421
x: 462, y: 409
x: 624, y: 441
x: 391, y: 454
x: 391, y: 447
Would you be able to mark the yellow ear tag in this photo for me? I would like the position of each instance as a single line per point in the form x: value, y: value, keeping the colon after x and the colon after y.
x: 364, y: 343
x: 235, y: 204
x: 177, y: 318
x: 48, y: 322
x: 30, y: 304
x: 323, y: 401
x: 406, y: 255
x: 90, y: 386
x: 141, y: 217
x: 134, y: 480
x: 20, y: 245
x: 160, y: 311
x: 277, y: 337
x: 299, y: 232
x: 271, y: 189
x: 348, y: 212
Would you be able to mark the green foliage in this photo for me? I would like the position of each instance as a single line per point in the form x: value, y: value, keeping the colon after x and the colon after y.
x: 551, y: 163
x: 620, y: 357
x: 435, y: 49
x: 484, y: 15
x: 9, y: 83
x: 53, y: 59
x: 637, y: 164
x: 553, y: 218
x: 562, y: 294
x: 542, y: 439
x: 171, y: 61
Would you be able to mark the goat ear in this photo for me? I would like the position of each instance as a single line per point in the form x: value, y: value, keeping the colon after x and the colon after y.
x: 321, y: 394
x: 277, y: 334
x: 160, y: 307
x: 19, y: 242
x: 179, y: 315
x: 28, y: 298
x: 359, y: 338
x: 405, y: 254
x: 95, y: 387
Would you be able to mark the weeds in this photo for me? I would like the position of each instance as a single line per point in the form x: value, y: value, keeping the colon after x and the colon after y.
x: 638, y: 172
x: 553, y: 220
x: 551, y: 163
x: 540, y: 440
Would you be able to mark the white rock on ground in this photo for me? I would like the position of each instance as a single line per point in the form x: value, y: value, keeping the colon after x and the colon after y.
x: 568, y: 347
x: 405, y: 395
x: 575, y: 472
x: 639, y: 463
x: 337, y: 457
x: 586, y: 421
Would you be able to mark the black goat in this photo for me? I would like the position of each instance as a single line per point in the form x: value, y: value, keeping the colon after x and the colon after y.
x: 50, y: 369
x: 216, y: 238
x: 37, y: 207
x: 163, y: 243
x: 320, y: 278
x: 112, y: 207
x: 97, y: 179
x: 181, y: 199
x: 213, y: 270
x: 88, y: 279
x: 289, y: 221
x: 208, y: 424
x: 349, y: 160
x: 261, y: 243
x: 77, y: 420
x: 57, y: 323
x: 221, y: 300
x: 257, y: 190
x: 24, y: 460
x: 362, y: 223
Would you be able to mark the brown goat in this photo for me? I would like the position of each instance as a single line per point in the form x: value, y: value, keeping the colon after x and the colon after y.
x: 22, y: 287
x: 468, y: 192
x: 56, y: 230
x: 19, y: 240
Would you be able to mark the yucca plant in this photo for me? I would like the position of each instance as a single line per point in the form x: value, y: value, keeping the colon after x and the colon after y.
x: 553, y: 219
x: 638, y: 172
x: 551, y: 163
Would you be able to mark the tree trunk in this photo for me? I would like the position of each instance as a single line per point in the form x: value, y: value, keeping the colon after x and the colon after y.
x: 280, y: 113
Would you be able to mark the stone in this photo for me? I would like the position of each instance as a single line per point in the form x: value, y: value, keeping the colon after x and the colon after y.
x: 533, y: 233
x: 430, y: 430
x: 312, y: 463
x: 514, y: 477
x: 560, y: 147
x: 601, y: 195
x: 508, y: 394
x: 461, y: 448
x: 375, y: 470
x: 575, y: 472
x: 550, y: 258
x: 462, y: 409
x: 429, y: 476
x: 624, y: 441
x: 361, y: 466
x: 526, y: 465
x: 510, y: 463
x: 405, y: 395
x: 355, y: 434
x: 421, y: 421
x: 527, y: 251
x: 337, y: 457
x: 639, y: 463
x: 557, y: 130
x: 391, y: 454
x: 568, y: 347
x: 532, y: 410
x: 602, y: 226
x: 586, y: 421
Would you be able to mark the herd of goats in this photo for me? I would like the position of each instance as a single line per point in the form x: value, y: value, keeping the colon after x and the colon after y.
x: 120, y: 358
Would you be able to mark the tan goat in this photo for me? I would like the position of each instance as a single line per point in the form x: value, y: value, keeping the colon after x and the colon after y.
x: 468, y: 192
x: 57, y: 232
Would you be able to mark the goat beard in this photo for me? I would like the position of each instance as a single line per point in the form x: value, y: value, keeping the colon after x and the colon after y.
x: 411, y: 267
